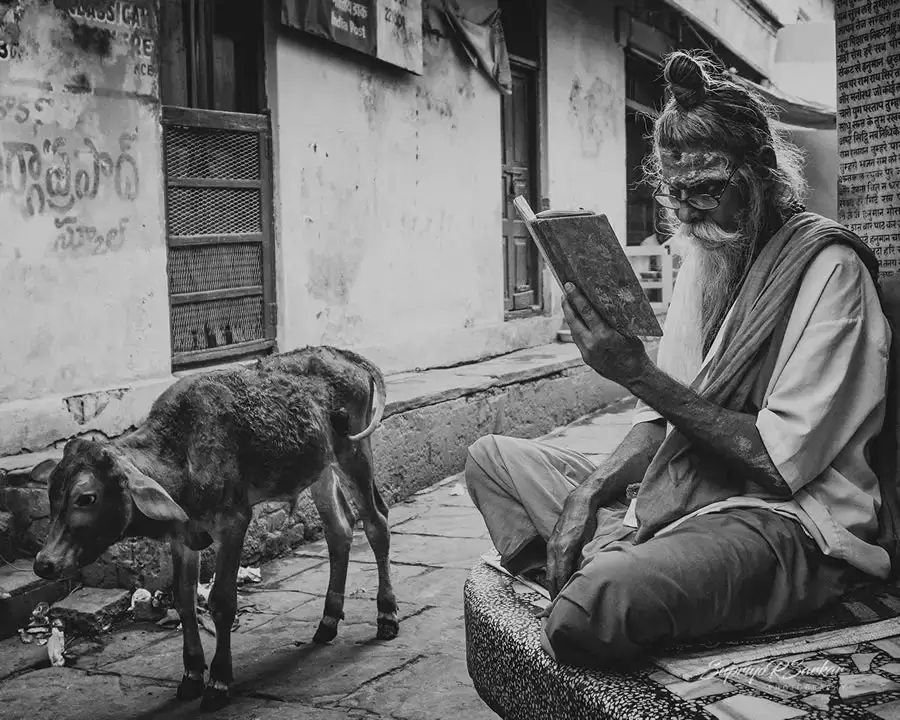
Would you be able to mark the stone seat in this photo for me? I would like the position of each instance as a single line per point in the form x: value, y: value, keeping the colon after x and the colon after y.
x: 515, y: 677
x: 519, y: 681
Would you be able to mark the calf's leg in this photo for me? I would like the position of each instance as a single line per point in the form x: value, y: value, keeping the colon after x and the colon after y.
x: 359, y: 466
x: 231, y: 530
x: 336, y: 516
x: 186, y: 566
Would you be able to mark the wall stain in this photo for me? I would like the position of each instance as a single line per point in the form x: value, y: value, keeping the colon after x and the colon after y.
x: 369, y: 91
x: 428, y: 102
x: 94, y: 40
x: 589, y: 111
x: 334, y: 272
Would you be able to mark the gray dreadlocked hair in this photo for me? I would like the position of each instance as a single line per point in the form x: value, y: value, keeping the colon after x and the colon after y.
x: 707, y: 108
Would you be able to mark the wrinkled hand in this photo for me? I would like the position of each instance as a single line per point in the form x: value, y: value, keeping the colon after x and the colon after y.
x: 614, y: 356
x: 573, y: 530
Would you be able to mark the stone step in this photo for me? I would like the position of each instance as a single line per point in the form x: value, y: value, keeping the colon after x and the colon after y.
x: 16, y: 469
x: 20, y: 592
x: 90, y: 611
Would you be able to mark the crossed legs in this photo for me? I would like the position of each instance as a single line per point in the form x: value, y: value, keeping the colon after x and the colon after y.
x: 746, y: 570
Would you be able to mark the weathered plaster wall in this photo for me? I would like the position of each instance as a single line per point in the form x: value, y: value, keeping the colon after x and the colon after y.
x: 788, y: 11
x: 805, y: 66
x: 738, y: 26
x: 390, y: 206
x: 586, y: 110
x: 82, y: 249
x: 742, y: 29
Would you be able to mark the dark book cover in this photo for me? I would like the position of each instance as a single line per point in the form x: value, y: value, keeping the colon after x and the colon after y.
x: 581, y: 247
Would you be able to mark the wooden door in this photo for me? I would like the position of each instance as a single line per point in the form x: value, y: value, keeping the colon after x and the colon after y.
x: 519, y: 139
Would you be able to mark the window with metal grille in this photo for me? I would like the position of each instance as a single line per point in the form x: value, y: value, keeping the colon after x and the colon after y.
x: 217, y: 142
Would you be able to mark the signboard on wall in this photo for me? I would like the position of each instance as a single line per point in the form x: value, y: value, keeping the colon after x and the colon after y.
x: 390, y: 30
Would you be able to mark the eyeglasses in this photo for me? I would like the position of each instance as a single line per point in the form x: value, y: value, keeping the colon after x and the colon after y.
x: 703, y: 201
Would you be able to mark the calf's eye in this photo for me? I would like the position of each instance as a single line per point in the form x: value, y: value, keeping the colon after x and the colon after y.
x: 86, y: 500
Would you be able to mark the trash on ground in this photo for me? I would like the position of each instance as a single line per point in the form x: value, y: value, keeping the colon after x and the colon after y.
x: 249, y: 575
x: 56, y: 645
x: 458, y: 489
x: 359, y: 592
x: 245, y: 575
x: 170, y: 619
x: 206, y: 623
x: 141, y: 596
x: 145, y: 606
x: 203, y: 590
x: 38, y: 629
x: 42, y: 631
x: 142, y: 605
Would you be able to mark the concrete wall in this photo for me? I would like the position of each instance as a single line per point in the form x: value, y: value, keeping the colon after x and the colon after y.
x: 741, y: 28
x: 586, y: 110
x: 390, y: 205
x: 805, y: 66
x: 788, y: 11
x: 82, y: 250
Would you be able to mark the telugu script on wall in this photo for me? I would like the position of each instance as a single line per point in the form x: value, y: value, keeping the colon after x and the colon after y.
x: 75, y: 136
x: 868, y: 68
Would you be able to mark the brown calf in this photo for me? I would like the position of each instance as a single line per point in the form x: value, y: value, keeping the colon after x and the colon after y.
x: 213, y: 445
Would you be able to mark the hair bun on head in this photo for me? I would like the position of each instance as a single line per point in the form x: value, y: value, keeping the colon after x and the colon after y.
x: 686, y: 80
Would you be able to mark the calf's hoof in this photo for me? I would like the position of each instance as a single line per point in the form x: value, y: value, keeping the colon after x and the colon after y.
x: 326, y: 632
x: 191, y: 688
x: 388, y: 626
x: 215, y: 697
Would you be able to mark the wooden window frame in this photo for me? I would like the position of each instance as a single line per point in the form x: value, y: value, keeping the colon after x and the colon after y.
x: 199, y: 91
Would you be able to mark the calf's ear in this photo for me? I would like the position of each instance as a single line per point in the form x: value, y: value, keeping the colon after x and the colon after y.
x: 40, y: 473
x: 148, y: 495
x: 153, y: 501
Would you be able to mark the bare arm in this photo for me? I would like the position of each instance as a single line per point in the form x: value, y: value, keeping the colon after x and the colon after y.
x: 626, y: 465
x: 731, y: 435
x: 578, y: 520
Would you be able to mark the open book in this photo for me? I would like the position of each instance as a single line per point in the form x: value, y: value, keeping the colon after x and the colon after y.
x: 580, y: 247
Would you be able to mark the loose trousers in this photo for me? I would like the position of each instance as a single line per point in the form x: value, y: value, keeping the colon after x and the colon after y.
x: 744, y: 570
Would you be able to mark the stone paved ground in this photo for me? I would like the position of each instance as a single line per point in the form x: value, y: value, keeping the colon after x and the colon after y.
x: 437, y: 537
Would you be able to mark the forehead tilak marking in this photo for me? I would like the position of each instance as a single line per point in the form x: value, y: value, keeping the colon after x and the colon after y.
x: 691, y: 168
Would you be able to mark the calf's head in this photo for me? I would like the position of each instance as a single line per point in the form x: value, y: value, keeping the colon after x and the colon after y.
x: 95, y: 493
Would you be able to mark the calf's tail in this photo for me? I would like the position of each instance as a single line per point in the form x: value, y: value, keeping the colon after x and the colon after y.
x: 377, y: 402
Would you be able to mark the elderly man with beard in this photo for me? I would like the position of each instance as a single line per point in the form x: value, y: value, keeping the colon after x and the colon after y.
x: 745, y: 494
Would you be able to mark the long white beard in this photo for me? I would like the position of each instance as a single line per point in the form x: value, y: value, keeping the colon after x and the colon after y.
x: 681, y: 347
x: 713, y: 261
